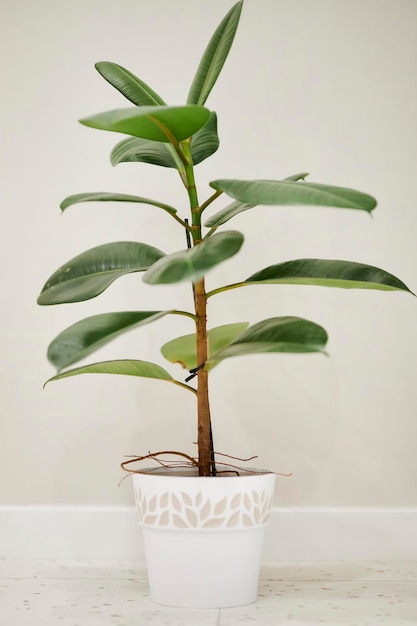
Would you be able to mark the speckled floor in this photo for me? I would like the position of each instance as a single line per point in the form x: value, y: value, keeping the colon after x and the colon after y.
x: 115, y: 593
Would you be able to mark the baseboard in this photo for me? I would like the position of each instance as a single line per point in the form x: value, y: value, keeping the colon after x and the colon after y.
x: 295, y: 534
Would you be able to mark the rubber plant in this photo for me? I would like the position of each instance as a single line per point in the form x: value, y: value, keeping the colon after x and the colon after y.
x: 181, y: 137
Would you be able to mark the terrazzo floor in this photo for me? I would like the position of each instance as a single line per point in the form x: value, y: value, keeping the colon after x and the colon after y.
x: 87, y: 593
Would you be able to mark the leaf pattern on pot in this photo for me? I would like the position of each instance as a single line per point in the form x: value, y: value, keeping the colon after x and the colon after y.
x: 183, y: 510
x: 179, y: 522
x: 214, y: 522
x: 186, y: 498
x: 152, y: 504
x: 176, y: 503
x: 205, y: 511
x: 164, y: 519
x: 191, y: 517
x: 236, y: 500
x: 233, y: 520
x: 220, y: 507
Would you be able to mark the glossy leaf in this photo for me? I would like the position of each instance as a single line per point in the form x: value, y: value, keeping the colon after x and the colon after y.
x: 203, y: 144
x: 285, y: 192
x: 194, y: 263
x: 214, y: 56
x: 158, y: 123
x: 206, y: 141
x: 328, y: 273
x: 142, y: 369
x: 90, y: 273
x: 84, y: 337
x: 137, y: 150
x: 105, y: 196
x: 183, y: 350
x: 237, y: 207
x: 277, y: 334
x: 128, y: 84
x: 223, y: 216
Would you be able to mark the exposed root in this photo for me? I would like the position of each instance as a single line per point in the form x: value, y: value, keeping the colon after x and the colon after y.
x: 187, y: 461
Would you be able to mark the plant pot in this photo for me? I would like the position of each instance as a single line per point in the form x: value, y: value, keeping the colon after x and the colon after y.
x: 203, y: 535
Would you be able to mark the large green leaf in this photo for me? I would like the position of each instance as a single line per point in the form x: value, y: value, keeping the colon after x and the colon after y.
x: 137, y: 150
x: 100, y: 196
x: 158, y: 123
x: 214, y: 56
x: 283, y: 192
x: 134, y: 149
x: 277, y: 334
x: 90, y: 273
x: 206, y: 141
x: 128, y: 84
x: 328, y: 273
x: 84, y: 337
x: 183, y: 350
x: 143, y: 369
x: 323, y: 273
x: 237, y: 207
x: 194, y: 263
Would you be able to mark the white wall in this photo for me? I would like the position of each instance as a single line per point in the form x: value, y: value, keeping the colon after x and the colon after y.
x: 321, y: 86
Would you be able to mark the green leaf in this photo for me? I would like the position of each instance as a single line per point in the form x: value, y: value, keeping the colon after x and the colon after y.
x: 327, y: 273
x: 194, y: 263
x: 84, y: 337
x: 90, y: 273
x: 128, y: 84
x: 206, y: 141
x: 134, y: 149
x: 237, y: 207
x: 158, y: 123
x: 183, y: 350
x: 100, y: 196
x: 283, y: 192
x: 214, y: 56
x: 143, y: 369
x: 223, y: 216
x: 137, y: 150
x: 277, y: 334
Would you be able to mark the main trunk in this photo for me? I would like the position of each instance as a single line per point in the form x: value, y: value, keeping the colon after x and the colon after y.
x: 203, y: 407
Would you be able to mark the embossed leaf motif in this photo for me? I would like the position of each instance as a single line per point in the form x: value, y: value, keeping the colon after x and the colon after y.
x: 178, y: 521
x: 255, y: 496
x: 191, y: 517
x: 186, y: 498
x: 214, y: 522
x: 233, y: 519
x: 247, y: 520
x: 236, y: 500
x: 150, y: 519
x: 257, y: 515
x: 248, y: 503
x: 220, y: 507
x: 152, y: 504
x: 205, y: 511
x: 164, y: 519
x: 198, y: 499
x: 176, y: 503
x: 163, y: 503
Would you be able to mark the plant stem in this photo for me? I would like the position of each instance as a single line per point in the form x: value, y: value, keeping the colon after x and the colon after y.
x: 204, y: 436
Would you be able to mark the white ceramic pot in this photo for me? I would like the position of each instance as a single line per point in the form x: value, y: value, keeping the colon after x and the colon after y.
x: 203, y: 535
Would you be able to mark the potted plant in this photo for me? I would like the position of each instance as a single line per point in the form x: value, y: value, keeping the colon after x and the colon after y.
x: 203, y: 521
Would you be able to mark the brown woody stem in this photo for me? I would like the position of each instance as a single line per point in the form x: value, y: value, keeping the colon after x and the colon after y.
x: 204, y: 436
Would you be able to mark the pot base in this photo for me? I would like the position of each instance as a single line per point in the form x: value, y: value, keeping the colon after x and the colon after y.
x: 203, y: 536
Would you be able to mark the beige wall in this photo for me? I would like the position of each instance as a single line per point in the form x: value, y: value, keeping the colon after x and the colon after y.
x: 321, y: 86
